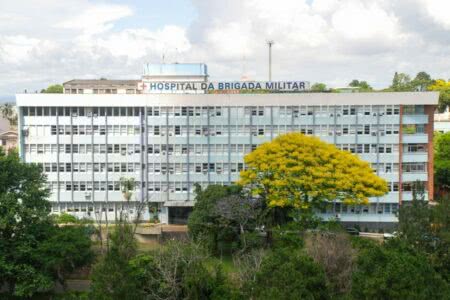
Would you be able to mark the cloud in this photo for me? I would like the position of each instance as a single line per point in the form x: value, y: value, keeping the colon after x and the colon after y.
x: 97, y: 18
x: 438, y: 10
x: 331, y: 41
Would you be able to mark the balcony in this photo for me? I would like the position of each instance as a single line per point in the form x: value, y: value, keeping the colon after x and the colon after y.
x: 415, y: 119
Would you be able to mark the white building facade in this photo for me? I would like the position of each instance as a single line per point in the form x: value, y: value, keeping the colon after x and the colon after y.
x: 86, y: 142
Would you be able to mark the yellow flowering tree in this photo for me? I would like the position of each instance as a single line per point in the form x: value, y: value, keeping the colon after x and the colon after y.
x: 443, y: 87
x: 298, y: 171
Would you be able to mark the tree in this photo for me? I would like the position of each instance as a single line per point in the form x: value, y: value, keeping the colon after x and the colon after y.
x: 304, y: 172
x: 443, y: 87
x: 179, y: 271
x: 401, y: 83
x: 425, y: 228
x: 54, y: 89
x: 241, y: 211
x: 440, y: 256
x: 396, y: 273
x: 334, y: 252
x: 421, y: 81
x: 29, y: 263
x: 363, y: 85
x: 415, y: 220
x: 318, y: 87
x: 206, y: 224
x: 8, y: 112
x: 112, y: 277
x: 442, y: 162
x: 286, y: 274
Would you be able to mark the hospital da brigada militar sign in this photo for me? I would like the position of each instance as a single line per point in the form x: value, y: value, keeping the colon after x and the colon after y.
x: 195, y: 87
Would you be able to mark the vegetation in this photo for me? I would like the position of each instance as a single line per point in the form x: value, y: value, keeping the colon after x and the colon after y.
x: 362, y: 85
x: 8, y: 112
x: 443, y: 87
x: 319, y: 87
x: 34, y: 252
x: 53, y: 89
x: 304, y: 172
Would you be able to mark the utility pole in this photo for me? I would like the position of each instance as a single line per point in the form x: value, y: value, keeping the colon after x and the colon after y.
x: 270, y: 43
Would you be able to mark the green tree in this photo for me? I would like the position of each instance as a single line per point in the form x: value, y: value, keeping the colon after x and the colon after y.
x: 288, y: 274
x: 207, y: 225
x: 415, y: 220
x: 54, y: 89
x: 180, y: 270
x: 318, y: 87
x: 363, y: 85
x: 442, y: 162
x: 28, y: 262
x: 396, y: 273
x: 112, y: 277
x: 422, y: 81
x: 401, y: 83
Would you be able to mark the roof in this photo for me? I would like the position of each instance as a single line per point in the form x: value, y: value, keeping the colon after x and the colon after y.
x: 118, y: 100
x: 100, y: 82
x: 10, y: 132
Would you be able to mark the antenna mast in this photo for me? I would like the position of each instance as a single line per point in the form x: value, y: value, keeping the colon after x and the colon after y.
x: 270, y: 43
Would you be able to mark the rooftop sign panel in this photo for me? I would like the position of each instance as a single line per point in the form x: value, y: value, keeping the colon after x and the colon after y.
x: 205, y: 87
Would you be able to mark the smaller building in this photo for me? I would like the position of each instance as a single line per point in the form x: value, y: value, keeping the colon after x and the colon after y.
x: 8, y: 140
x: 442, y: 122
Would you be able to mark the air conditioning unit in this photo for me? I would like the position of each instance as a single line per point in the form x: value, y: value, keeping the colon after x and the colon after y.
x: 374, y: 114
x: 382, y: 133
x: 89, y: 114
x: 163, y: 152
x: 74, y: 115
x: 374, y: 134
x: 95, y: 115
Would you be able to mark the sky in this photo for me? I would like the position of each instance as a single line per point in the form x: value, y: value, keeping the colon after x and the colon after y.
x: 331, y: 41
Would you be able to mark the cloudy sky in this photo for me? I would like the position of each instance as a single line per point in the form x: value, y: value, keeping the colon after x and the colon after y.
x: 331, y: 41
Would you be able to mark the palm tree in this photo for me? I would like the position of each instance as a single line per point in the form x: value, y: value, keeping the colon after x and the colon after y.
x: 9, y: 113
x: 127, y: 186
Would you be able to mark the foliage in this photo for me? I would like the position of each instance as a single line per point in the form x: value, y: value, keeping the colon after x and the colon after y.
x: 318, y: 87
x: 415, y: 220
x: 33, y: 251
x: 421, y: 81
x: 178, y: 271
x: 395, y: 273
x: 65, y: 218
x: 363, y: 85
x: 401, y: 83
x: 440, y: 257
x: 53, y: 89
x: 442, y: 162
x: 127, y: 186
x: 334, y: 252
x: 112, y: 277
x: 8, y: 112
x: 298, y: 171
x: 218, y: 219
x: 443, y: 87
x: 426, y: 229
x: 286, y: 274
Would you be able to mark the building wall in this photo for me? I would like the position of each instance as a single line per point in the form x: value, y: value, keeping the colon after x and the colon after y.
x: 169, y: 143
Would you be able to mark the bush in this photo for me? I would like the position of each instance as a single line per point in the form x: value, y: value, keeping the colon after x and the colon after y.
x: 65, y: 218
x: 395, y: 273
x: 287, y: 274
x: 334, y: 252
